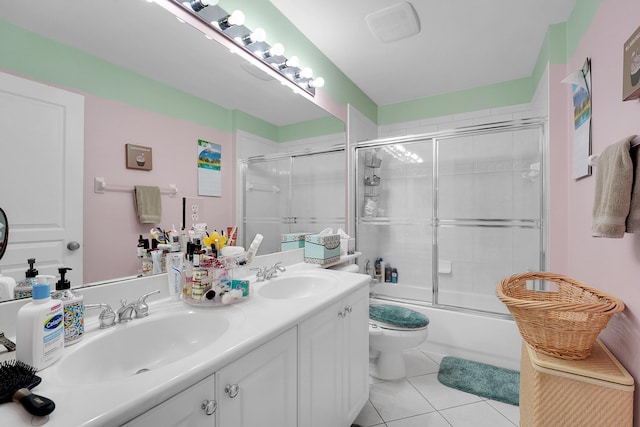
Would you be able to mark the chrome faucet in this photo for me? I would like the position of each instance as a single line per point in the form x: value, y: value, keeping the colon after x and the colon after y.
x: 272, y: 271
x: 140, y: 308
x: 268, y: 273
x: 107, y: 317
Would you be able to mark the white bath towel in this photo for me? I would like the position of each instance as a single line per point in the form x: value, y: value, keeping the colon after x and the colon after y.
x: 614, y: 179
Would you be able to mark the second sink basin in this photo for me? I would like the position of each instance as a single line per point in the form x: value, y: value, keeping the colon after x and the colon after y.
x: 141, y: 345
x: 296, y: 285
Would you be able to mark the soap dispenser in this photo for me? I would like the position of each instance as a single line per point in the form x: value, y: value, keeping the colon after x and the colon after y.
x: 39, y: 327
x: 73, y: 308
x: 23, y: 289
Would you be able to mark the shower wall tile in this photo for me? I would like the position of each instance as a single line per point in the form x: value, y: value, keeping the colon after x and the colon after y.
x: 456, y: 244
x: 493, y: 196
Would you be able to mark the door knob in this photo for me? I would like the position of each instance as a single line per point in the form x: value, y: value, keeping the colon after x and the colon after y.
x: 209, y: 406
x: 232, y: 390
x: 73, y: 246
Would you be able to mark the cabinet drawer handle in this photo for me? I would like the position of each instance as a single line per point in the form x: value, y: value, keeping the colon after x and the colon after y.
x: 232, y: 390
x: 209, y: 406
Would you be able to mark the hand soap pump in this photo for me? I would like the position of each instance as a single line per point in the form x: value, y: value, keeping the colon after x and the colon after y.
x: 73, y: 308
x: 24, y: 288
x: 39, y: 329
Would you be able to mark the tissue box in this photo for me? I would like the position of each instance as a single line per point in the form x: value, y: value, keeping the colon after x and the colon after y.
x: 321, y: 249
x: 292, y: 241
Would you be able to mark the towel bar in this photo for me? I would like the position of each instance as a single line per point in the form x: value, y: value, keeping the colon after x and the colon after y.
x: 100, y: 186
x: 593, y: 159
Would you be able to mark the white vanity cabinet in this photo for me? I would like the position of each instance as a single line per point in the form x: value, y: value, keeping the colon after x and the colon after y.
x: 334, y: 363
x: 260, y: 388
x: 193, y: 407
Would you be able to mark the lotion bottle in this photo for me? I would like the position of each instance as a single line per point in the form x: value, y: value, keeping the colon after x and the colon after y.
x: 73, y: 308
x: 39, y: 329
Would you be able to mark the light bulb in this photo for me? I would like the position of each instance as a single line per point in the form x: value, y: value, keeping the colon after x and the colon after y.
x: 236, y: 18
x: 317, y: 82
x: 198, y: 5
x: 276, y: 50
x: 294, y: 61
x: 259, y: 35
x: 307, y: 73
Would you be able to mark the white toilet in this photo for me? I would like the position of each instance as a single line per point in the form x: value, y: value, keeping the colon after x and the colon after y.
x: 392, y: 330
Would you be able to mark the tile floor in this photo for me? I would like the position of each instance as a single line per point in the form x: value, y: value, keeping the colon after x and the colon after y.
x: 420, y: 400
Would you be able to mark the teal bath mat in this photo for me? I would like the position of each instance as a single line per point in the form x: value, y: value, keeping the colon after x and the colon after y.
x: 480, y: 379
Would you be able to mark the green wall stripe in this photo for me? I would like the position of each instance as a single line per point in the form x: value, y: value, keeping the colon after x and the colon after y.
x: 49, y: 61
x: 491, y: 96
x: 318, y: 127
x: 254, y: 125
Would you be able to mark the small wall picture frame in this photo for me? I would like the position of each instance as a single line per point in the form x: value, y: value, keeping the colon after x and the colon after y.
x: 631, y: 67
x: 139, y: 157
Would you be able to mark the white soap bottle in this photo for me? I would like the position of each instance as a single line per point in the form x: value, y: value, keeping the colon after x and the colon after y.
x: 39, y: 330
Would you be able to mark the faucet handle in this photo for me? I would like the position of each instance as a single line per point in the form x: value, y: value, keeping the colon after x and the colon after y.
x: 107, y: 317
x: 142, y: 308
x: 261, y: 272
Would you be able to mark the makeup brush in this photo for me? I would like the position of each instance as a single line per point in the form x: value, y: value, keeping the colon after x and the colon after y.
x: 16, y: 381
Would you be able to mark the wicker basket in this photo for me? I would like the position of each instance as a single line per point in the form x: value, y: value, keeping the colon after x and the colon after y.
x: 563, y: 322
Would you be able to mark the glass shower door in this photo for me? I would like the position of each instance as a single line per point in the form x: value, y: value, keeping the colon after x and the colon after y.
x: 317, y: 192
x: 266, y: 202
x: 489, y: 214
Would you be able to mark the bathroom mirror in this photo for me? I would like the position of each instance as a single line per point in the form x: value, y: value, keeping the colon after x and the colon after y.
x: 4, y: 232
x: 144, y: 38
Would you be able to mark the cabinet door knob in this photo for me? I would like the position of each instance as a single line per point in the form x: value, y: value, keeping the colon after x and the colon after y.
x: 341, y: 314
x: 209, y: 406
x: 232, y: 390
x: 348, y: 309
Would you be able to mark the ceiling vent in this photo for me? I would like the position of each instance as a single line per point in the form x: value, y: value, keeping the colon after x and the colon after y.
x: 394, y: 23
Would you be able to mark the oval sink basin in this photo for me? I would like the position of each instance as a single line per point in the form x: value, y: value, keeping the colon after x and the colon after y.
x: 298, y: 285
x: 141, y: 345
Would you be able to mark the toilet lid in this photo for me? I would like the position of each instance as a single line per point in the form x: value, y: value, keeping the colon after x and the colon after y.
x: 396, y: 316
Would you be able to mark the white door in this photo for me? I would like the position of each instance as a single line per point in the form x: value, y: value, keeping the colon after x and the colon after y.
x: 41, y: 149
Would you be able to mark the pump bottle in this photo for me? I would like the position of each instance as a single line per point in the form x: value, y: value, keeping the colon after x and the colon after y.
x: 23, y: 289
x: 39, y: 329
x: 73, y: 308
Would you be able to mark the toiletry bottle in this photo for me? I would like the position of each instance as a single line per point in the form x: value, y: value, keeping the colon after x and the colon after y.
x: 378, y: 269
x: 73, y: 308
x: 140, y: 248
x: 23, y: 289
x: 394, y: 275
x: 387, y: 273
x: 253, y: 248
x: 39, y: 329
x: 175, y: 267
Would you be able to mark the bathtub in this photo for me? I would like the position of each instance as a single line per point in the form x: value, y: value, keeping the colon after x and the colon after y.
x: 474, y: 336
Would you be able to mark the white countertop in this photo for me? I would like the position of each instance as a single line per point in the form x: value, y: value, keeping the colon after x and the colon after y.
x: 255, y: 321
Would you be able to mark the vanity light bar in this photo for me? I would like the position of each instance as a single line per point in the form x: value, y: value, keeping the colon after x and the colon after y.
x: 228, y: 29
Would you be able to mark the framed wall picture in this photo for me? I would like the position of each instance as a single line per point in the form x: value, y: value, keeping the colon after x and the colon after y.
x: 139, y: 157
x: 631, y: 67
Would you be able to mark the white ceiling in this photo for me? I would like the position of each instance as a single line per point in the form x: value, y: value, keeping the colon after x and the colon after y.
x: 461, y: 45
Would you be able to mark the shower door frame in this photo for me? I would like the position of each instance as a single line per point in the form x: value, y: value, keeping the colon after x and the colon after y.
x: 287, y: 220
x: 535, y: 123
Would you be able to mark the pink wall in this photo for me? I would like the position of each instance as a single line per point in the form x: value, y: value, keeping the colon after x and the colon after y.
x: 612, y: 265
x: 111, y: 228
